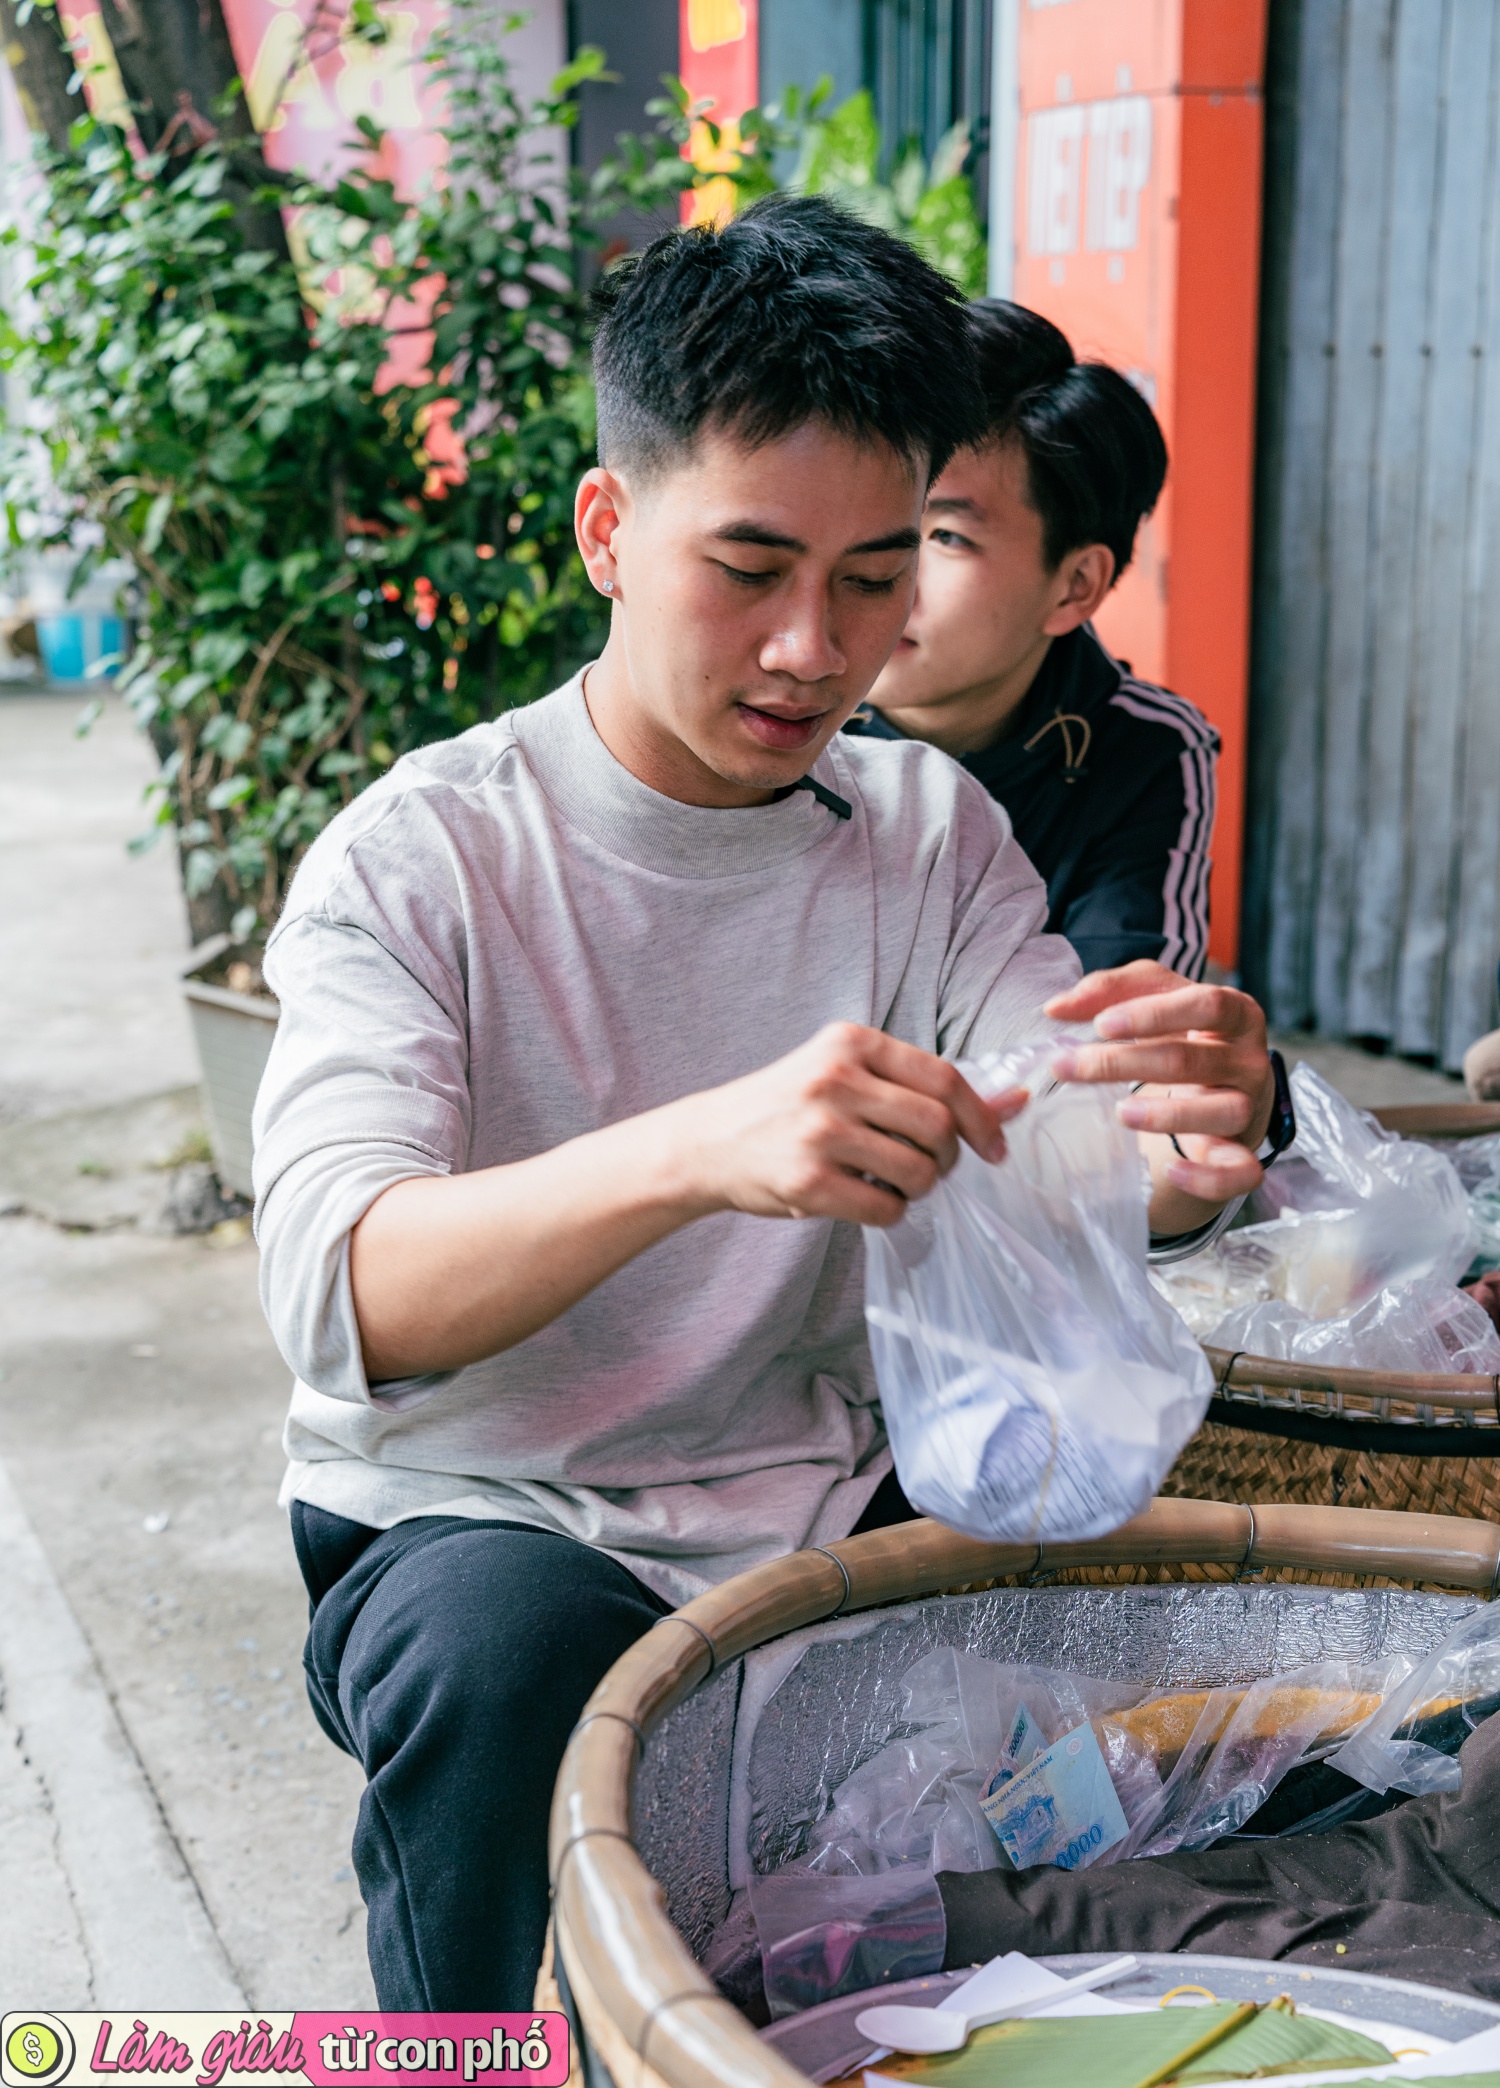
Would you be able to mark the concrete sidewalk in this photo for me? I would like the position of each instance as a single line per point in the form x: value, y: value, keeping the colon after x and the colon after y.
x: 140, y: 1422
x: 174, y: 1829
x: 90, y: 939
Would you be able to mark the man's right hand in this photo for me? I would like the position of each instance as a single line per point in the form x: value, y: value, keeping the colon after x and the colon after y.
x: 1486, y: 1292
x: 447, y: 1269
x: 853, y: 1125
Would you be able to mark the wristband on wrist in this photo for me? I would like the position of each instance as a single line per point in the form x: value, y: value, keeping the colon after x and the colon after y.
x: 1282, y: 1128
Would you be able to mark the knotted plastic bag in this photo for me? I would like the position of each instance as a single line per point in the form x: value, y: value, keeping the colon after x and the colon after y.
x: 1352, y: 1209
x: 1427, y: 1325
x: 1354, y: 1261
x: 1035, y: 1386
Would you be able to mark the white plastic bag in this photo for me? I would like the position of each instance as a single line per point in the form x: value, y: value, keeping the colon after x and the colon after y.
x: 1458, y: 1682
x: 1477, y: 1161
x: 1355, y: 1260
x: 1187, y: 1766
x: 1235, y: 1272
x: 1366, y: 1212
x: 1034, y: 1385
x: 1426, y: 1325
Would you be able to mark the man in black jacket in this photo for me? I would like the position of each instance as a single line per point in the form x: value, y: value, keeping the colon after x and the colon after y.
x: 1108, y: 780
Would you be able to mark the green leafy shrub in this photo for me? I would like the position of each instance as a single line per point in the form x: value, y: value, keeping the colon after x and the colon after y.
x: 317, y: 592
x: 930, y: 205
x: 803, y: 145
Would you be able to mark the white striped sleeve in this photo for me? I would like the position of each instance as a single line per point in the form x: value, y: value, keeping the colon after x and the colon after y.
x: 1185, y: 889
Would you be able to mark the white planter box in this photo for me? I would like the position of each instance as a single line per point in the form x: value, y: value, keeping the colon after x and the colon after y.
x: 233, y: 1032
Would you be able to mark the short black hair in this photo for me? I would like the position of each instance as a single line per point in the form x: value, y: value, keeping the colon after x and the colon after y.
x: 1095, y: 456
x: 792, y: 312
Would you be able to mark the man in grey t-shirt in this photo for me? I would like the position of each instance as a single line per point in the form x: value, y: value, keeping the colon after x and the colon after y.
x: 578, y: 1006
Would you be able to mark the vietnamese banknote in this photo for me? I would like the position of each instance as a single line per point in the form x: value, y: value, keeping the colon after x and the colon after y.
x: 1062, y: 1808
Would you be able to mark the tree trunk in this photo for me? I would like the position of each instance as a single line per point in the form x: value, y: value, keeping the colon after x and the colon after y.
x: 41, y: 66
x: 209, y: 912
x: 177, y: 62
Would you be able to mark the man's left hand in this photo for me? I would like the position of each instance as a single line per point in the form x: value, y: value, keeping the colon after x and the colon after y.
x: 1197, y: 1055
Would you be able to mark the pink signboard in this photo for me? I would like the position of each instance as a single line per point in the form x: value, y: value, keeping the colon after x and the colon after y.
x: 309, y: 78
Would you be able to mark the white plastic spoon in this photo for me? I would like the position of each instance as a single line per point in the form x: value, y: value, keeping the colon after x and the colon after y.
x: 905, y: 2029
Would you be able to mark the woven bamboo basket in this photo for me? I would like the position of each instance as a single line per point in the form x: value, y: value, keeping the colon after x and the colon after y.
x: 1353, y: 1438
x: 644, y: 2012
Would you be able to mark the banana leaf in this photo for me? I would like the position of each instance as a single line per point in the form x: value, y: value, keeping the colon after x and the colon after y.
x: 1223, y: 2041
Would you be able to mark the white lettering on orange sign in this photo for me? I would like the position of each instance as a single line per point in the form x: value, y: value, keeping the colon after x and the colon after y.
x: 1053, y: 178
x: 1119, y: 167
x: 1116, y: 135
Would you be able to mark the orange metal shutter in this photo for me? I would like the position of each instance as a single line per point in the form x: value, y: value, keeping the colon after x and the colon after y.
x: 1138, y: 190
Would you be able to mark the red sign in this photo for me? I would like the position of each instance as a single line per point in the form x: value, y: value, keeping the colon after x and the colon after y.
x: 719, y: 60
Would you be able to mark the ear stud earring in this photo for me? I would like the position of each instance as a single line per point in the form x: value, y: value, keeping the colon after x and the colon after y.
x: 607, y: 586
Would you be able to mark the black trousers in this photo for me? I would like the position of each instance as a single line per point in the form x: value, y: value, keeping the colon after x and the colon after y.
x: 1414, y: 1894
x: 452, y: 1659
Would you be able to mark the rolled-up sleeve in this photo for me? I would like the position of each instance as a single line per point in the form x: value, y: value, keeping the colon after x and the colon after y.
x: 366, y: 1086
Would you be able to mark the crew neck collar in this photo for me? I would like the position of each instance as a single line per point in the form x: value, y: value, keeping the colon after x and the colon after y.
x: 601, y: 798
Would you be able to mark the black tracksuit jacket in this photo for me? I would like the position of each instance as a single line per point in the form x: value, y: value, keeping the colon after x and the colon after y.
x: 1109, y: 783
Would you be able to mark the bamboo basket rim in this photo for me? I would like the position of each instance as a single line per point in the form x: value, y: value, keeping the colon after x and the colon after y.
x: 1438, y: 1119
x: 1243, y: 1379
x: 656, y: 2017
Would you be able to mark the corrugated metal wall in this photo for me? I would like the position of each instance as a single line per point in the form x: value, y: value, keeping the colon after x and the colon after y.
x: 927, y: 62
x: 1374, y: 835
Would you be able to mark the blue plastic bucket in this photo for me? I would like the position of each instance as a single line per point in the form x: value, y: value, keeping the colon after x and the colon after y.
x: 71, y: 644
